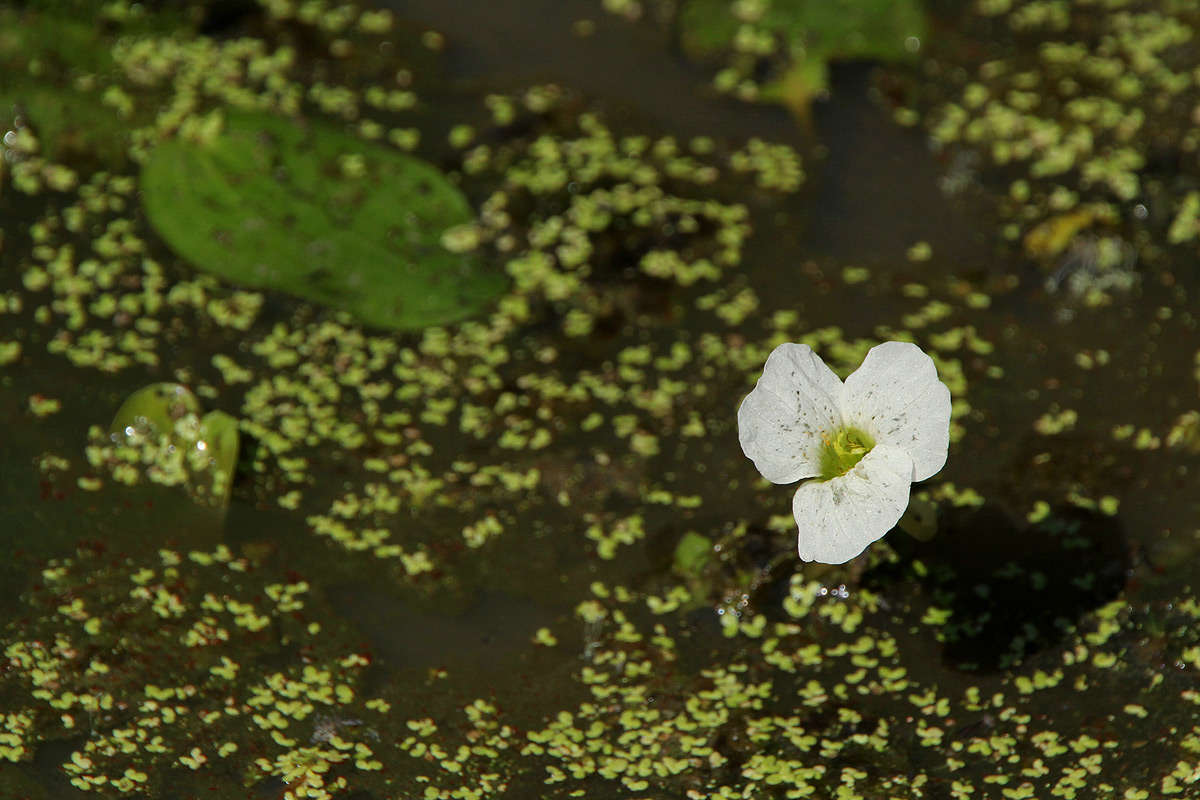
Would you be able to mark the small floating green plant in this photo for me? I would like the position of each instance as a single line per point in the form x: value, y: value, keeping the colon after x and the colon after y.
x: 157, y: 667
x: 161, y: 428
x: 1083, y: 120
x: 282, y: 204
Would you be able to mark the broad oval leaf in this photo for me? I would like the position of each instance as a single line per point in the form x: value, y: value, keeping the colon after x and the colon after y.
x: 153, y: 410
x: 299, y: 207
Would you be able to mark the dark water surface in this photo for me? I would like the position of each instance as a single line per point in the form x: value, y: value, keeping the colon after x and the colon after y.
x: 873, y: 190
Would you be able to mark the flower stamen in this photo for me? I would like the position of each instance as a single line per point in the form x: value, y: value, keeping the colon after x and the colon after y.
x: 841, y: 451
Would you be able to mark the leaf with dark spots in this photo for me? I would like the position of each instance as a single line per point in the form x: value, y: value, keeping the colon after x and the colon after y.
x: 370, y: 237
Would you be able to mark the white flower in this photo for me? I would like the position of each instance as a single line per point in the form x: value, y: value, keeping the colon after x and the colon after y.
x: 863, y: 442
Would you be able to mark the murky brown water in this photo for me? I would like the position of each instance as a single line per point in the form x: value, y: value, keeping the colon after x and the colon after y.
x: 873, y: 190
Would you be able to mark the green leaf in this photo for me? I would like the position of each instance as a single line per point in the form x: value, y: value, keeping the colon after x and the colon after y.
x: 302, y: 208
x: 42, y: 55
x: 164, y: 418
x: 786, y: 46
x: 824, y: 29
x: 220, y: 436
x: 920, y: 519
x: 153, y: 410
x: 692, y: 554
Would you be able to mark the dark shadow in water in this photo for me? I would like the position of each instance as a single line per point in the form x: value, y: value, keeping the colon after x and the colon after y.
x: 1013, y: 590
x: 517, y: 43
x: 223, y: 16
x: 45, y: 771
x: 411, y: 636
x: 877, y: 187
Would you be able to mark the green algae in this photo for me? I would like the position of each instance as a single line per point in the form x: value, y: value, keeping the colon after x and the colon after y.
x: 300, y: 208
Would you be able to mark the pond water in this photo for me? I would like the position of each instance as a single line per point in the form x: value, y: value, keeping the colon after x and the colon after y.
x: 481, y: 286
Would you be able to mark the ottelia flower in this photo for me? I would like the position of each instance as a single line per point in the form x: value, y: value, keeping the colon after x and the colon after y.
x: 862, y: 443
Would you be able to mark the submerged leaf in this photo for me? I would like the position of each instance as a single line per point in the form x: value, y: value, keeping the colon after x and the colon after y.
x: 693, y: 553
x: 58, y: 79
x: 784, y: 47
x: 920, y: 519
x: 160, y: 425
x: 220, y: 437
x: 153, y: 410
x: 832, y: 29
x: 280, y: 204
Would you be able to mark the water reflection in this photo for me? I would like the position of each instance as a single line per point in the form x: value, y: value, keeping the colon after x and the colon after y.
x: 1008, y: 590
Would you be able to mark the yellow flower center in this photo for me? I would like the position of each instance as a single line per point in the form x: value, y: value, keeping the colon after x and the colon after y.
x: 844, y: 448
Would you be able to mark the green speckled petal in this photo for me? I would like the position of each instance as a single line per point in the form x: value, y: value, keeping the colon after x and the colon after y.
x: 838, y: 518
x: 897, y: 398
x: 782, y: 421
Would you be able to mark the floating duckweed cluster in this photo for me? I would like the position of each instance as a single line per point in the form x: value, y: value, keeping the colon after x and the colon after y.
x: 592, y: 206
x: 411, y: 413
x: 93, y: 671
x: 825, y: 697
x: 582, y: 420
x: 105, y: 297
x: 1091, y: 118
x: 168, y: 663
x: 579, y: 209
x: 817, y: 692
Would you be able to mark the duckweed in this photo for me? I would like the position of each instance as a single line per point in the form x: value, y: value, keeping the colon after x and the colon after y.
x: 190, y: 619
x: 1066, y: 112
x: 576, y: 431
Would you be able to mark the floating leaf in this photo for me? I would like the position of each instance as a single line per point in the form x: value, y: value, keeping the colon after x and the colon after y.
x: 56, y: 71
x: 920, y: 519
x: 793, y: 41
x: 280, y: 204
x: 692, y: 554
x: 161, y: 429
x: 219, y: 437
x: 154, y: 410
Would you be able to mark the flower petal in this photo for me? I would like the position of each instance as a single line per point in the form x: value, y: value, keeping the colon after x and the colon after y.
x: 794, y: 404
x: 897, y: 398
x: 838, y: 518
